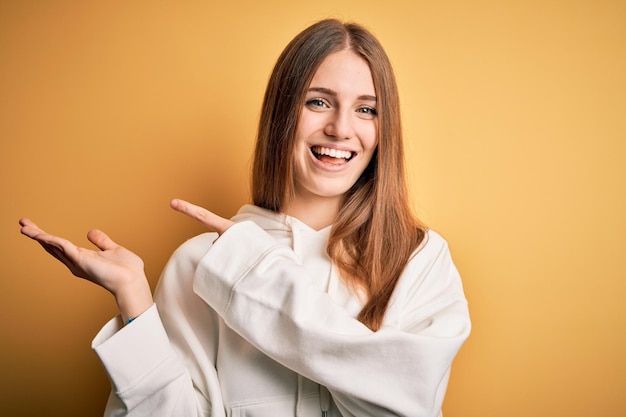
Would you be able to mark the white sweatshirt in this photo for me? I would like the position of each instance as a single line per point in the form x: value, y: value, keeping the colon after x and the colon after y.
x: 259, y: 324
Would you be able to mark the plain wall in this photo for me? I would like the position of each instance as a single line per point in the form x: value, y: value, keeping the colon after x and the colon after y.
x: 515, y: 121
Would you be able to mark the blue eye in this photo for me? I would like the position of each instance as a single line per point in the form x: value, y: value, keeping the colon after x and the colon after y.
x: 369, y: 111
x: 316, y: 102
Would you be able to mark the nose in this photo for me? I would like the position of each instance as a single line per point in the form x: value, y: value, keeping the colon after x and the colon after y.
x: 340, y: 125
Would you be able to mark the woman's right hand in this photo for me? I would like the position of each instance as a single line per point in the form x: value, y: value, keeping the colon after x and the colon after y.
x: 113, y: 267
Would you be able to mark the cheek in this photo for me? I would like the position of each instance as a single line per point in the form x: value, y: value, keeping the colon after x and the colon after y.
x: 368, y: 133
x: 371, y: 144
x: 371, y: 140
x: 307, y: 124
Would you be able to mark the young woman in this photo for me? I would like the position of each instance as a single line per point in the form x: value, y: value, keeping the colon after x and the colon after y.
x: 326, y: 297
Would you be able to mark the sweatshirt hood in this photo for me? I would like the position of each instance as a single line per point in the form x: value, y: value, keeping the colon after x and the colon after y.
x: 265, y: 219
x: 271, y: 220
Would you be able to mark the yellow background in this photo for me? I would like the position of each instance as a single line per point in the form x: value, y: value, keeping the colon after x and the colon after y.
x: 515, y: 118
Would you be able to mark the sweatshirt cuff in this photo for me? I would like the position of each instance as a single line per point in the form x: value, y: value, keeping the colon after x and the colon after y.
x: 129, y: 353
x: 236, y: 251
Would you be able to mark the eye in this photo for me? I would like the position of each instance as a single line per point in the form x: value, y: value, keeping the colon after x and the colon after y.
x: 367, y: 111
x: 317, y: 103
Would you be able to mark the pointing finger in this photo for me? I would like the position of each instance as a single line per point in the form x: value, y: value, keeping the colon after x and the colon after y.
x: 207, y: 218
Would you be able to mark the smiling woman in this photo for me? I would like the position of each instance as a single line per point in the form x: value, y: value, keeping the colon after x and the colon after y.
x: 326, y: 297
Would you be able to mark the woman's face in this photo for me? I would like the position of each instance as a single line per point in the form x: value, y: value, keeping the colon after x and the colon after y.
x: 336, y: 134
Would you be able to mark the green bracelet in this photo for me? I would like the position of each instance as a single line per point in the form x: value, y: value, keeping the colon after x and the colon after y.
x: 130, y: 319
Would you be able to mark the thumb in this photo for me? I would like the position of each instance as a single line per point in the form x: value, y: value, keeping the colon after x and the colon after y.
x: 101, y: 240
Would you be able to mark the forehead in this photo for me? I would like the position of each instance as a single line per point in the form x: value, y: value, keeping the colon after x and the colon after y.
x: 344, y: 72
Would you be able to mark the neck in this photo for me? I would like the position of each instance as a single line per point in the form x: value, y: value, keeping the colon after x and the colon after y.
x: 317, y: 213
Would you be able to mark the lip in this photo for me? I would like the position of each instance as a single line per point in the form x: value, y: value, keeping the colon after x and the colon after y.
x: 333, y: 146
x: 328, y: 166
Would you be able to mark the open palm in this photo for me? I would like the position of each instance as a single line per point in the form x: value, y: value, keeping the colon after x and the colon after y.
x: 110, y: 266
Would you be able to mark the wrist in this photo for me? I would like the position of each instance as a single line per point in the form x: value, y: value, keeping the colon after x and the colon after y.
x: 133, y: 299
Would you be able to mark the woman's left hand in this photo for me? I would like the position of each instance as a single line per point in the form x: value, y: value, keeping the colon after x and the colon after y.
x: 210, y: 220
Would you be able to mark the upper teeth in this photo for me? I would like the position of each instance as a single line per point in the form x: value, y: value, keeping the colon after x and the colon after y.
x: 334, y: 153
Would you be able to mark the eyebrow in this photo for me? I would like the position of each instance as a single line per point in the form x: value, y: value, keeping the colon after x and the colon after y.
x: 333, y: 93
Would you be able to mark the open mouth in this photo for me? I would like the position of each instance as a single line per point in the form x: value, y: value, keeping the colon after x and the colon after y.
x: 333, y: 156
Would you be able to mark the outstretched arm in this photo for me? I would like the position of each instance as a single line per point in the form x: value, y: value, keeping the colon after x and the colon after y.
x: 148, y: 376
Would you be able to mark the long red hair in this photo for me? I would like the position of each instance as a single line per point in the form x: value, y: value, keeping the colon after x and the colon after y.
x: 375, y: 232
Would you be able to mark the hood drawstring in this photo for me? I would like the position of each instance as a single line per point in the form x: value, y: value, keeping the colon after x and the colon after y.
x: 324, y: 400
x: 299, y: 395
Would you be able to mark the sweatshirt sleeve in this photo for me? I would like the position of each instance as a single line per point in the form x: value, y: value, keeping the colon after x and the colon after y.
x: 264, y: 294
x: 147, y: 376
x: 153, y: 362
